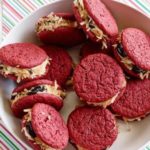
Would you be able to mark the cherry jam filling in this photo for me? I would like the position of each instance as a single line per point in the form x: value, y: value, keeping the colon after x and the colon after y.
x: 34, y: 90
x: 30, y: 129
x: 122, y: 53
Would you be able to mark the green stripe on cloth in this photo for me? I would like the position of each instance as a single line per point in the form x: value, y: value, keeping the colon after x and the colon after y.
x: 143, y: 6
x: 40, y: 2
x: 8, y: 20
x: 23, y: 8
x: 8, y: 141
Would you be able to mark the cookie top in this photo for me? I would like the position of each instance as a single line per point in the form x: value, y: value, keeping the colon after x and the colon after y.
x: 61, y: 64
x: 92, y: 128
x: 22, y: 55
x: 49, y: 126
x: 90, y: 48
x: 102, y: 16
x: 98, y: 78
x: 137, y: 46
x: 33, y: 83
x: 135, y: 102
x: 67, y: 16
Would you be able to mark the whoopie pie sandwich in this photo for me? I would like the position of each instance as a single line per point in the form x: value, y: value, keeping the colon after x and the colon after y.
x: 92, y: 128
x: 135, y: 102
x: 23, y: 61
x: 96, y: 21
x: 61, y: 67
x: 98, y: 80
x: 60, y: 29
x: 133, y: 52
x: 44, y: 128
x: 37, y: 91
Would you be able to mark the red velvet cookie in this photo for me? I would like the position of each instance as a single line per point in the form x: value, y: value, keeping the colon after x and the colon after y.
x: 59, y: 28
x: 92, y: 128
x: 61, y: 64
x: 133, y: 52
x: 92, y: 48
x: 135, y: 102
x: 99, y: 80
x: 38, y: 91
x: 23, y: 61
x: 96, y: 21
x: 44, y: 128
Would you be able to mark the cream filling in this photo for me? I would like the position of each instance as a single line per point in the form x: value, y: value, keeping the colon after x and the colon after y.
x: 136, y: 118
x: 37, y: 141
x: 43, y: 146
x: 128, y: 63
x: 51, y: 22
x: 45, y: 89
x: 126, y: 119
x: 90, y: 24
x: 106, y: 103
x: 25, y: 73
x: 131, y: 119
x: 80, y: 148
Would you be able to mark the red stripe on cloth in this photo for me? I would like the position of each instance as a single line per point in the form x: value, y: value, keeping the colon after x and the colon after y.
x: 3, y: 144
x: 12, y: 9
x: 10, y: 14
x: 6, y: 29
x: 12, y: 136
x: 31, y: 6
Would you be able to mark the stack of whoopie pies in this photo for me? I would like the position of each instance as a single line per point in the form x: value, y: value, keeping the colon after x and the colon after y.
x: 100, y: 79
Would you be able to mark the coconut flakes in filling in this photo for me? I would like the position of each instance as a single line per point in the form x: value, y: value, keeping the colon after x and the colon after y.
x: 106, y: 103
x: 38, y: 89
x: 90, y: 24
x: 51, y: 22
x: 126, y: 119
x: 129, y: 64
x: 134, y: 119
x: 36, y: 140
x: 24, y: 73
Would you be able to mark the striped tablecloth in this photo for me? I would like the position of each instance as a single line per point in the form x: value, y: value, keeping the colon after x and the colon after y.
x: 15, y: 10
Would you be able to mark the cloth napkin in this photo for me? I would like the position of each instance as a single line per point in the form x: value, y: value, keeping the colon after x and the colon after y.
x: 12, y: 12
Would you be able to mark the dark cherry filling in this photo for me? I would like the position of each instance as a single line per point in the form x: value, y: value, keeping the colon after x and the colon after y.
x: 1, y: 67
x: 30, y: 129
x: 30, y: 71
x: 91, y: 26
x: 137, y: 69
x: 122, y: 53
x: 34, y: 90
x: 13, y: 97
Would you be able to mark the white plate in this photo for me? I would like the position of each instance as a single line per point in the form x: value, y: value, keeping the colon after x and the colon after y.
x: 131, y: 136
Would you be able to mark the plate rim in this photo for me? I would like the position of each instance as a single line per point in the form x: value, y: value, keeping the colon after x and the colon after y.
x: 22, y: 21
